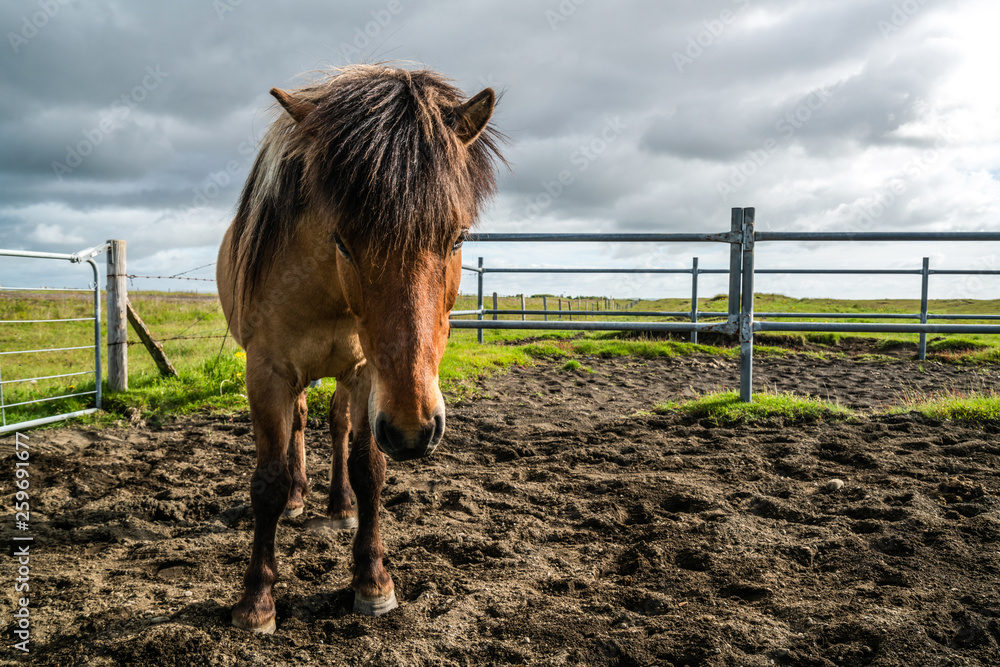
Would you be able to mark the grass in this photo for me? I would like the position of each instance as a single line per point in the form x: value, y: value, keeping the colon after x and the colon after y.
x: 574, y: 365
x: 212, y: 368
x: 725, y: 409
x: 974, y: 406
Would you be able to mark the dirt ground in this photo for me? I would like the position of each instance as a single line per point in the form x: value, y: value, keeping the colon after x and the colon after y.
x: 560, y: 523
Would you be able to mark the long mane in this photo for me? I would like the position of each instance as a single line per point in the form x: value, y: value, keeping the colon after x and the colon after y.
x: 377, y: 157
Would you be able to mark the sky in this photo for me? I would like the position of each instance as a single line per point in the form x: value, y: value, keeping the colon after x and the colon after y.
x: 139, y: 121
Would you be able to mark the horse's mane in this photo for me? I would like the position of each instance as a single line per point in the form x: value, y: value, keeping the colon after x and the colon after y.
x: 377, y: 157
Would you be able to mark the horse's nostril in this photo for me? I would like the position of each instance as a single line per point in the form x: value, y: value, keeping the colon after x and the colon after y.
x: 403, y: 445
x: 382, y: 432
x: 438, y: 428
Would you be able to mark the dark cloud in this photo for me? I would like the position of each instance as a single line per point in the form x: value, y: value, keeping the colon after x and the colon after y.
x: 167, y: 100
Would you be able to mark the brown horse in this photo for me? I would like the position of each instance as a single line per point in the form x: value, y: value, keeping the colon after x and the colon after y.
x: 343, y: 261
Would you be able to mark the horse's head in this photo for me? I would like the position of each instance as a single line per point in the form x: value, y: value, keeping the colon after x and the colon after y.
x: 402, y: 165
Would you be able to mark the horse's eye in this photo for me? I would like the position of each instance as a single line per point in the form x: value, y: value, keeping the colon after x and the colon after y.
x: 341, y: 247
x: 459, y: 242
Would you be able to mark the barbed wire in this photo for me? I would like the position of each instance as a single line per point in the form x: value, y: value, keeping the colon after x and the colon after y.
x: 217, y: 336
x: 203, y: 266
x: 207, y: 280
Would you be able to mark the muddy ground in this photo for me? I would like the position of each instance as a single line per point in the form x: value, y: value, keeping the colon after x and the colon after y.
x: 561, y: 523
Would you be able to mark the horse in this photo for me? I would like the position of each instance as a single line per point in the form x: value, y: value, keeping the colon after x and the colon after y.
x: 343, y: 260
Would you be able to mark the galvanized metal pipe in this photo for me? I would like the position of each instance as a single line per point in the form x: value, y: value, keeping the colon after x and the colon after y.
x: 735, y: 266
x: 589, y: 325
x: 835, y: 272
x: 746, y: 309
x: 46, y: 420
x: 694, y: 297
x: 44, y: 377
x: 724, y: 237
x: 877, y: 236
x: 479, y: 302
x: 48, y: 349
x: 45, y: 289
x: 68, y: 319
x: 83, y: 256
x: 922, y: 351
x: 581, y: 270
x: 679, y: 313
x: 97, y: 330
x: 874, y: 327
x: 51, y: 398
x: 38, y: 255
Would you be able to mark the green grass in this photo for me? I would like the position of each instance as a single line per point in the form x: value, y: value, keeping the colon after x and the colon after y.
x: 725, y: 409
x: 212, y: 368
x: 974, y: 406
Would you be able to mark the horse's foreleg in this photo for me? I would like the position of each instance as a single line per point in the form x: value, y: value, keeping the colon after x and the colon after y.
x: 373, y: 588
x: 340, y: 509
x: 297, y: 459
x: 271, y: 407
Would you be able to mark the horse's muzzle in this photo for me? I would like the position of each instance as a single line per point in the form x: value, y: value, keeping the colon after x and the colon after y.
x: 402, y: 445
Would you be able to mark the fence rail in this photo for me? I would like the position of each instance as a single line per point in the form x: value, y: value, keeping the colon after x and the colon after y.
x: 740, y: 318
x: 76, y: 258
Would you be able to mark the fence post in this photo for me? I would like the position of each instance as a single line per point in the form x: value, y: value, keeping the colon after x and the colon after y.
x: 924, y: 275
x: 479, y: 305
x: 746, y: 317
x: 495, y: 308
x: 545, y: 307
x: 117, y: 317
x: 694, y: 298
x: 735, y: 267
x: 569, y: 307
x: 523, y: 316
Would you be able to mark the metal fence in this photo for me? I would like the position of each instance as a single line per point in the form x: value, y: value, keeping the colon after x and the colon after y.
x: 95, y: 287
x: 740, y: 317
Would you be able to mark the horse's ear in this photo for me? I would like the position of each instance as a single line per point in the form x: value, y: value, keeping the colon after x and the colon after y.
x: 297, y: 109
x: 470, y: 119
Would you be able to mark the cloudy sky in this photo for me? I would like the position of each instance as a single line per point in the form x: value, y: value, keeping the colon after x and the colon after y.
x: 139, y: 120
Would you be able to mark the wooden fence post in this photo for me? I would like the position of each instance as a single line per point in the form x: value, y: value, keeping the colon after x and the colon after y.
x: 117, y: 318
x: 154, y: 346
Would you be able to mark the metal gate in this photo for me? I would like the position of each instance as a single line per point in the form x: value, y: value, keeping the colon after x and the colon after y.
x: 739, y: 320
x: 95, y: 287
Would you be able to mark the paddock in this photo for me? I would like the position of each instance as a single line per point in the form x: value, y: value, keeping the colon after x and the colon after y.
x: 562, y: 522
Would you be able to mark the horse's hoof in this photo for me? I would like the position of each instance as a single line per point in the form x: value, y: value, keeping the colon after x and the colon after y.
x: 331, y: 525
x: 266, y: 629
x: 292, y: 512
x: 376, y: 606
